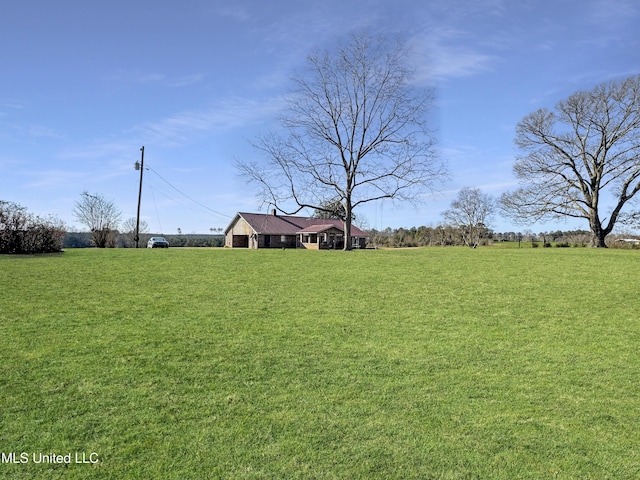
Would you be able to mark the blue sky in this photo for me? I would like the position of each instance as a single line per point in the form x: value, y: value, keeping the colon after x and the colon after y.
x: 85, y: 84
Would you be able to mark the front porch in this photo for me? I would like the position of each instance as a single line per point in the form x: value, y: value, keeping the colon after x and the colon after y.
x: 326, y: 237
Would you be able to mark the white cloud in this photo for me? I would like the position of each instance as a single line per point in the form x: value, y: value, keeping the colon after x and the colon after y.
x: 442, y: 53
x: 142, y: 78
x: 609, y: 13
x: 12, y: 103
x: 33, y: 131
x: 185, y: 81
x: 99, y: 150
x: 234, y: 12
x: 226, y: 114
x: 55, y: 178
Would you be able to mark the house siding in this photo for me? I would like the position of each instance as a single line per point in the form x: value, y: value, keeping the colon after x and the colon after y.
x: 239, y: 234
x: 276, y: 241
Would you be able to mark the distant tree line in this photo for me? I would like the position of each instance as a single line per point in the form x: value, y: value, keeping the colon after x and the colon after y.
x: 194, y: 240
x: 439, y: 236
x: 125, y: 240
x: 22, y: 232
x: 448, y: 235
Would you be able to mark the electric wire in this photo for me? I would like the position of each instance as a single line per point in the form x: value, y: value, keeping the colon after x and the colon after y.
x: 184, y: 203
x: 212, y: 211
x: 156, y: 206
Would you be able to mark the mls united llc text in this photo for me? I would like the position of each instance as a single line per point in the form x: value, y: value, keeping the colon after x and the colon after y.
x: 71, y: 457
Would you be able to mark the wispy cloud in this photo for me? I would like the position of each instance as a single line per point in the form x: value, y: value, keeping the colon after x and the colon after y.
x: 40, y: 131
x: 234, y: 12
x: 609, y: 13
x: 185, y: 81
x: 224, y: 115
x: 294, y: 35
x: 99, y: 150
x: 468, y: 8
x: 12, y: 103
x: 55, y: 178
x: 8, y: 107
x: 30, y: 131
x: 115, y: 157
x: 8, y: 162
x: 443, y: 53
x: 145, y: 78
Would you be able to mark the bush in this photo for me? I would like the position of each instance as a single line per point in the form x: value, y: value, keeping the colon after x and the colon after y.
x: 22, y: 232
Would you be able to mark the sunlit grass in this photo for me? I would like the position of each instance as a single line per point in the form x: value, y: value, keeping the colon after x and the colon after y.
x: 426, y: 363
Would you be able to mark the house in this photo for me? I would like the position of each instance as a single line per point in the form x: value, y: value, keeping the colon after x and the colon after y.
x: 259, y: 230
x: 628, y: 240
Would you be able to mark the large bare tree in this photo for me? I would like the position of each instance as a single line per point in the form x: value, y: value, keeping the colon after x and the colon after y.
x: 471, y: 212
x: 581, y: 161
x: 355, y: 131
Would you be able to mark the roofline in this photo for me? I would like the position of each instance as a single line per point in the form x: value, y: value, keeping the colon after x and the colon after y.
x: 232, y: 222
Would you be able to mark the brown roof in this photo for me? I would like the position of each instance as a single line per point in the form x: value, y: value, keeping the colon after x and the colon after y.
x: 322, y: 228
x: 269, y: 224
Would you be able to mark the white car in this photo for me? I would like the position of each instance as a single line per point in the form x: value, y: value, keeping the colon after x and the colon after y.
x: 157, y: 242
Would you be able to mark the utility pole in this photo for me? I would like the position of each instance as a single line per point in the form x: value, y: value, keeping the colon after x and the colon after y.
x: 139, y: 166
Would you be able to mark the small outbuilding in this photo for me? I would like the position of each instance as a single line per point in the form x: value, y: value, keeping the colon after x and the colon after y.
x: 259, y: 230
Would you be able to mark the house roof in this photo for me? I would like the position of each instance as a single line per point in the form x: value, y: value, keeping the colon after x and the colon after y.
x: 322, y: 228
x: 269, y: 224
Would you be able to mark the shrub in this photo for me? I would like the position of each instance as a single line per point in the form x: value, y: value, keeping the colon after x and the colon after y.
x: 22, y: 232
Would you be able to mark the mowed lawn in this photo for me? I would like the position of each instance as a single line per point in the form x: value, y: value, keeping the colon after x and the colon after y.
x: 444, y: 363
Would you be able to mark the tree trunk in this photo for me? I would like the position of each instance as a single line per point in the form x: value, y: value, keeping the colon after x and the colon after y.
x: 347, y: 226
x: 598, y: 234
x: 347, y: 233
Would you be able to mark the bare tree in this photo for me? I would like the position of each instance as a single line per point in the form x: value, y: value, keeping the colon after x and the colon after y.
x: 356, y: 132
x: 101, y: 216
x: 471, y: 213
x: 129, y: 230
x: 580, y: 159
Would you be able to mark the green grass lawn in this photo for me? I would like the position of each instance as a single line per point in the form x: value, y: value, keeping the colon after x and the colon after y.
x: 443, y: 363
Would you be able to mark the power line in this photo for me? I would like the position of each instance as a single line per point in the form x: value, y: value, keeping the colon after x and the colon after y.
x: 156, y: 205
x: 187, y: 196
x: 178, y: 200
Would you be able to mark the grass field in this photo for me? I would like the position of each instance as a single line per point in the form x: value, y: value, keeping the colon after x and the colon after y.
x: 444, y: 363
